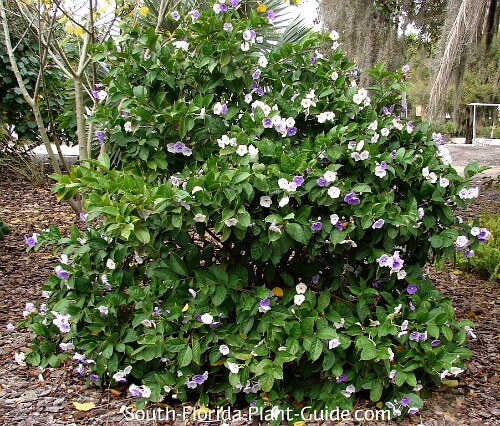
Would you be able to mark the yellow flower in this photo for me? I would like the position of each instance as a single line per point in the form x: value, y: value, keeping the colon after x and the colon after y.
x: 70, y: 28
x: 261, y: 8
x: 143, y: 11
x: 78, y: 31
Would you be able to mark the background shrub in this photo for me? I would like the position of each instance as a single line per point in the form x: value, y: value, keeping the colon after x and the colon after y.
x: 258, y: 230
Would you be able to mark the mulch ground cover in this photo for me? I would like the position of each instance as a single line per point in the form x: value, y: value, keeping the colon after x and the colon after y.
x: 30, y: 396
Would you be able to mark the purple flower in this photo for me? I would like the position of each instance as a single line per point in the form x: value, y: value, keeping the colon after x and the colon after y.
x: 264, y: 305
x: 412, y: 306
x: 95, y: 94
x: 291, y: 131
x: 315, y: 279
x: 435, y: 343
x: 376, y: 284
x: 339, y: 226
x: 31, y: 241
x: 61, y: 273
x: 215, y: 324
x: 342, y: 378
x: 406, y: 68
x: 405, y: 401
x: 94, y: 377
x: 256, y: 74
x: 322, y: 182
x: 412, y: 289
x: 383, y: 260
x: 234, y: 3
x: 199, y: 379
x: 415, y: 336
x: 195, y: 14
x: 316, y: 226
x: 156, y: 311
x: 100, y: 135
x: 271, y: 15
x: 223, y: 110
x: 175, y: 15
x: 267, y: 123
x: 259, y: 91
x: 298, y: 180
x: 484, y: 235
x: 469, y: 253
x: 461, y: 242
x: 223, y: 8
x: 393, y: 154
x: 351, y: 199
x: 83, y: 217
x: 312, y: 59
x: 378, y: 224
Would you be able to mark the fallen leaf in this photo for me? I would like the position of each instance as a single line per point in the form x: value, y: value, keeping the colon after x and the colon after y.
x: 220, y: 362
x: 450, y: 383
x: 115, y: 392
x: 86, y: 406
x: 299, y: 423
x: 277, y: 291
x: 457, y: 272
x: 185, y: 308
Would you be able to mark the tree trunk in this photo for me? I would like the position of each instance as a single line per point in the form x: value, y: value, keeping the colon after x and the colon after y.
x: 83, y: 150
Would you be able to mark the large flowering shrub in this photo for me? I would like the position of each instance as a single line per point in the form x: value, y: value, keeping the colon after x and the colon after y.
x: 260, y: 231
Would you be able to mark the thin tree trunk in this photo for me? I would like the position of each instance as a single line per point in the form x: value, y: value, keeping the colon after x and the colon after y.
x: 80, y: 119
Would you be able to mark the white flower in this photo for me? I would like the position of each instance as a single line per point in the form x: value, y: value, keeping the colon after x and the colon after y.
x: 64, y: 259
x: 357, y: 99
x: 334, y: 75
x: 300, y: 288
x: 199, y: 217
x: 283, y: 183
x: 266, y: 201
x: 207, y: 318
x: 401, y: 275
x: 104, y: 310
x: 384, y: 132
x: 443, y: 182
x: 183, y: 45
x: 330, y: 176
x: 196, y: 189
x: 360, y: 145
x: 248, y: 98
x: 306, y: 103
x: 19, y: 358
x: 373, y: 125
x: 233, y: 368
x: 334, y: 35
x: 456, y: 371
x: 425, y: 172
x: 349, y: 390
x: 444, y: 374
x: 391, y: 354
x: 333, y: 343
x: 217, y: 108
x: 245, y: 46
x: 110, y: 264
x: 227, y: 27
x: 334, y: 218
x: 147, y: 323
x: 67, y: 346
x: 284, y: 201
x: 224, y: 350
x: 339, y: 324
x: 432, y: 177
x: 127, y: 126
x: 231, y: 222
x: 364, y: 155
x: 253, y: 151
x: 475, y: 231
x: 334, y: 192
x: 299, y: 299
x: 10, y: 327
x: 262, y: 62
x: 242, y: 150
x: 274, y: 228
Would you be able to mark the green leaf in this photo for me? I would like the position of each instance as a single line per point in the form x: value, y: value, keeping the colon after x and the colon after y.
x: 219, y: 295
x: 266, y: 381
x: 368, y: 352
x: 178, y: 265
x: 316, y: 349
x: 296, y: 232
x: 142, y: 234
x: 376, y: 391
x: 185, y: 356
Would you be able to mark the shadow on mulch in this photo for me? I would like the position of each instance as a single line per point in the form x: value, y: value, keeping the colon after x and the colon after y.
x: 29, y: 396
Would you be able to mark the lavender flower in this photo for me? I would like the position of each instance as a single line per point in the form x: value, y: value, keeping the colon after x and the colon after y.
x: 224, y: 350
x: 484, y: 235
x: 256, y: 74
x: 435, y: 343
x: 322, y: 182
x: 411, y: 289
x: 264, y: 305
x: 405, y: 401
x: 415, y: 336
x: 61, y: 321
x: 316, y: 226
x: 83, y: 216
x: 298, y: 180
x: 461, y: 242
x: 175, y: 15
x: 315, y: 279
x: 140, y: 391
x: 342, y: 378
x: 378, y: 224
x: 271, y: 15
x: 267, y: 123
x: 405, y: 68
x: 291, y: 131
x: 31, y: 241
x: 10, y: 327
x: 100, y: 135
x: 61, y: 273
x: 352, y: 199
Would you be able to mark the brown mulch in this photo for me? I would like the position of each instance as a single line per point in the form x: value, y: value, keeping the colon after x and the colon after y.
x: 30, y: 396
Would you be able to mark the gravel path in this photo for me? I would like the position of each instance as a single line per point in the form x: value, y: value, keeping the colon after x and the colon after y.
x: 29, y: 396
